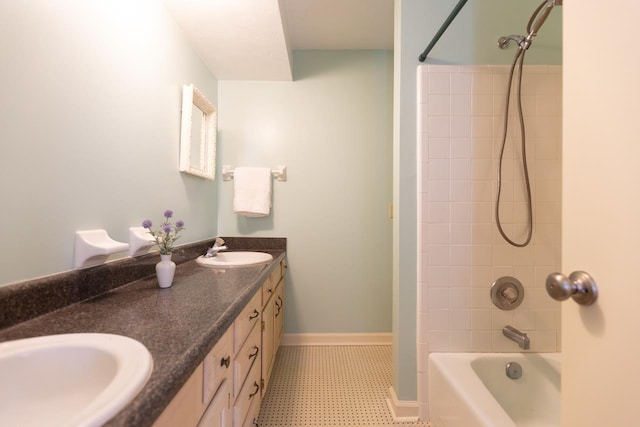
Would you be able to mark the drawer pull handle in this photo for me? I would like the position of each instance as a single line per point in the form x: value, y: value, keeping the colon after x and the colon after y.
x: 225, y: 361
x: 254, y: 314
x: 255, y: 353
x: 255, y: 384
x: 270, y: 290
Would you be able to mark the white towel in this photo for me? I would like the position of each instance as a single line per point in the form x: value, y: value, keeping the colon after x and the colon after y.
x: 252, y: 191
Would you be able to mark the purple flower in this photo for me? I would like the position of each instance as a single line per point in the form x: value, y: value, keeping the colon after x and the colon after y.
x: 167, y: 232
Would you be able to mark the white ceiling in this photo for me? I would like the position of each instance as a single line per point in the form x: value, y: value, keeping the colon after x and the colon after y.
x: 253, y: 39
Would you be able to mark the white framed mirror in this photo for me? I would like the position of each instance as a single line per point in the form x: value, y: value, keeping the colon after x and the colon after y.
x: 198, y: 134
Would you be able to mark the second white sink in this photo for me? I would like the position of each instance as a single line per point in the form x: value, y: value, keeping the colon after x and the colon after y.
x: 70, y: 379
x: 235, y: 259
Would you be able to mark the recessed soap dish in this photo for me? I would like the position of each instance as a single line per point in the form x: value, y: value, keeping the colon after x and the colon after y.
x: 140, y: 241
x: 93, y: 247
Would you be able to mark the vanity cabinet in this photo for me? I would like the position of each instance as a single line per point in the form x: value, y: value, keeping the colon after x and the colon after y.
x: 204, y: 399
x: 272, y: 321
x: 226, y: 389
x: 246, y: 382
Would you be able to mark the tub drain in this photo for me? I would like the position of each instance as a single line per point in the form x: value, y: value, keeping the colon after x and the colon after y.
x: 513, y: 370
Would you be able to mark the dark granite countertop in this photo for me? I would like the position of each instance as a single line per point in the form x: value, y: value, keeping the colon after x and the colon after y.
x: 179, y: 325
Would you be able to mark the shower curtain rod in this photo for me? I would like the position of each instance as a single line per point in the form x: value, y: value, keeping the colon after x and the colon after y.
x: 442, y: 29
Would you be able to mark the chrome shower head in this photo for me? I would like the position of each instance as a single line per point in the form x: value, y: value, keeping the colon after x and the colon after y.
x: 539, y: 16
x: 536, y: 21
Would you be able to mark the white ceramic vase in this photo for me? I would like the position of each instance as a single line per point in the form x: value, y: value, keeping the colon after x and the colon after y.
x: 165, y: 270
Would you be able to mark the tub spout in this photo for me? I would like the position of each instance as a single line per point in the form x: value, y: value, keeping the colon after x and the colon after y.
x: 520, y: 338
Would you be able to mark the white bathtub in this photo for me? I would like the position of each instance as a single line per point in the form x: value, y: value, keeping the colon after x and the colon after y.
x: 473, y: 390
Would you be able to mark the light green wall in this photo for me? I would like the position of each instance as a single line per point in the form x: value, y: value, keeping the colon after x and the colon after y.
x: 471, y: 39
x: 90, y: 98
x: 473, y: 35
x: 331, y: 127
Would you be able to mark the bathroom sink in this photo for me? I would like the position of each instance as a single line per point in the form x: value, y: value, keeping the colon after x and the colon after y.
x: 70, y: 379
x: 235, y: 259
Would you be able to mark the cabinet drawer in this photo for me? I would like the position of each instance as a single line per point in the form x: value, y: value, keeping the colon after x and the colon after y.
x: 218, y: 414
x: 245, y: 359
x: 217, y: 365
x: 249, y: 316
x: 249, y: 394
x: 276, y: 274
x: 251, y: 419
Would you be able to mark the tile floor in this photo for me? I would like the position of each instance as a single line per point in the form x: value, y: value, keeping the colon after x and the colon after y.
x: 330, y: 386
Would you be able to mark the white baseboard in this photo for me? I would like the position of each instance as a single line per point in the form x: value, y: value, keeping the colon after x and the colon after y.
x: 402, y: 411
x: 336, y: 339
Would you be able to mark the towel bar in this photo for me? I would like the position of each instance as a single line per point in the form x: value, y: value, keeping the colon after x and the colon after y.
x: 279, y: 173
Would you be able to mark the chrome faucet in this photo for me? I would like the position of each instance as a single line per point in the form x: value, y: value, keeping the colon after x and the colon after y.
x: 520, y: 338
x: 218, y: 246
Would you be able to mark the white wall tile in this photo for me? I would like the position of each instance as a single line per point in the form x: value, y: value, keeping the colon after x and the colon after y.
x: 459, y: 320
x: 524, y: 319
x: 481, y: 318
x: 439, y: 127
x: 460, y: 341
x: 461, y: 212
x: 460, y: 191
x: 500, y: 343
x: 481, y: 255
x: 460, y: 298
x: 438, y: 298
x: 460, y: 255
x: 460, y: 127
x: 463, y: 127
x: 461, y: 234
x: 482, y: 83
x: 438, y: 212
x: 438, y: 255
x: 481, y: 341
x: 438, y: 319
x: 438, y: 191
x: 437, y: 148
x: 438, y: 341
x: 544, y: 341
x: 460, y: 148
x: 460, y: 169
x: 439, y: 83
x: 438, y: 169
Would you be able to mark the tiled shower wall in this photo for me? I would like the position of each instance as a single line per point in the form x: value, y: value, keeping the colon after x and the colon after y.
x: 460, y: 253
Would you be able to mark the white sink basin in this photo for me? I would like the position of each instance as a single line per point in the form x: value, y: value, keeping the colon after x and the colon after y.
x: 71, y: 379
x: 235, y: 259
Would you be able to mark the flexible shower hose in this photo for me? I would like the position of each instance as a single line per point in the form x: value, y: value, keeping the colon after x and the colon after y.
x: 518, y: 61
